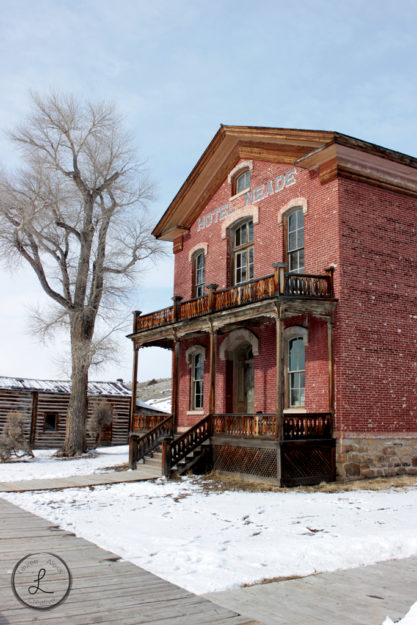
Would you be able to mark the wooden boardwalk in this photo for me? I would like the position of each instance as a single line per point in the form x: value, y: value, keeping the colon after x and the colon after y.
x: 104, y: 590
x: 144, y: 472
x: 359, y: 596
x: 149, y: 470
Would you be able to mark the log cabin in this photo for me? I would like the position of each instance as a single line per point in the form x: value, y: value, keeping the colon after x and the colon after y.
x: 293, y: 327
x: 45, y: 404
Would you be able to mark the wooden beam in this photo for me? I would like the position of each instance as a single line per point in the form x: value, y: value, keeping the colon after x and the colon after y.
x: 330, y: 348
x: 174, y: 393
x: 34, y: 417
x: 133, y: 404
x: 279, y: 373
x: 212, y: 383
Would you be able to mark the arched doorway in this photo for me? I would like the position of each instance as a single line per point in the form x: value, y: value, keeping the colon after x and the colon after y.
x: 243, y: 380
x: 238, y: 349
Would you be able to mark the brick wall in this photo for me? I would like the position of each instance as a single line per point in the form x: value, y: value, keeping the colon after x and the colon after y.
x: 369, y: 234
x: 321, y: 227
x: 376, y: 322
x: 317, y: 368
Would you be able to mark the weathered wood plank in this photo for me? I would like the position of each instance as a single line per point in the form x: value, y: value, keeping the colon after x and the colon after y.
x: 105, y: 589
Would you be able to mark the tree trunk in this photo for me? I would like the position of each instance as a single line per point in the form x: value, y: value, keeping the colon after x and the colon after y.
x: 81, y: 339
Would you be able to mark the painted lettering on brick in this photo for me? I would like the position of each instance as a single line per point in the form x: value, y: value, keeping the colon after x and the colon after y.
x: 251, y: 197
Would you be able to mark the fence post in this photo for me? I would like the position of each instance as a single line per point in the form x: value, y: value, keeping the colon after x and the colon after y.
x: 133, y: 451
x: 166, y: 456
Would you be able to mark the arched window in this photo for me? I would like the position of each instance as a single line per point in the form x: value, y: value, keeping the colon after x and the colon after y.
x: 295, y: 240
x: 241, y: 182
x: 199, y: 273
x: 197, y: 380
x: 296, y: 372
x: 243, y: 254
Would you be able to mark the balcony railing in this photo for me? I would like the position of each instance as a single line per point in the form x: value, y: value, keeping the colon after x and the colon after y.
x: 303, y: 427
x: 245, y: 426
x: 278, y: 284
x: 144, y: 422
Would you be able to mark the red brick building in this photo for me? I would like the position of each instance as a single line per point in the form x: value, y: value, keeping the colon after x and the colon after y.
x: 294, y: 321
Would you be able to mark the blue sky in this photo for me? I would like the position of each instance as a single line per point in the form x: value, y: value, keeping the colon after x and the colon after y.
x: 176, y: 70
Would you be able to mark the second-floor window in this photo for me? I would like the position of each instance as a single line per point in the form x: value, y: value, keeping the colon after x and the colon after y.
x: 243, y: 255
x: 199, y: 273
x: 295, y: 241
x: 241, y: 182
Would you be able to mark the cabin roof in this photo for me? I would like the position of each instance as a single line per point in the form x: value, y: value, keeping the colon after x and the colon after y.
x: 63, y: 387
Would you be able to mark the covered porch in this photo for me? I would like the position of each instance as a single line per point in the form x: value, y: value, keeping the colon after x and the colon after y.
x: 234, y: 398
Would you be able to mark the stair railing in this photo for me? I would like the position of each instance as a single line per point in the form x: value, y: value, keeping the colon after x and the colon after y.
x: 141, y: 445
x: 173, y: 451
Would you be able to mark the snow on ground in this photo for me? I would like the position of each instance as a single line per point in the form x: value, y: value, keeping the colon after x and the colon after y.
x: 44, y: 465
x: 205, y: 540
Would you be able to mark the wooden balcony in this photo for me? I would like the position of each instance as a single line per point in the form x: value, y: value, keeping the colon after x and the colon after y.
x: 277, y: 285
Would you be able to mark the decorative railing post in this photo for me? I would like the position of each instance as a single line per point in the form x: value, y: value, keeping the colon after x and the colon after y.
x: 177, y: 301
x: 330, y: 272
x: 133, y: 451
x: 166, y: 456
x: 136, y: 315
x: 211, y: 296
x: 279, y: 277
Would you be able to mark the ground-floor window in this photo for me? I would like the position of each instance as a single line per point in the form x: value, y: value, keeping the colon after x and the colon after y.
x: 51, y: 421
x: 197, y: 379
x: 296, y: 372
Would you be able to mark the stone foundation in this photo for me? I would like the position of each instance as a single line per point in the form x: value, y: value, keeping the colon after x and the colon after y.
x: 361, y: 458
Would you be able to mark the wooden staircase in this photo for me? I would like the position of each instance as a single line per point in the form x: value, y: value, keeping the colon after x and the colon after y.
x: 185, y: 452
x: 143, y: 446
x: 201, y: 455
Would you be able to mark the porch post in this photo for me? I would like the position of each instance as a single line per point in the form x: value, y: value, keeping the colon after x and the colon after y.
x: 134, y: 384
x: 212, y: 382
x: 330, y: 348
x: 279, y: 374
x: 174, y: 394
x: 133, y: 400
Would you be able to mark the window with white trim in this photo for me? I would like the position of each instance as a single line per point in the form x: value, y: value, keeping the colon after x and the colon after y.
x: 296, y: 372
x: 197, y: 381
x: 243, y: 253
x: 199, y: 273
x: 241, y: 182
x: 295, y: 241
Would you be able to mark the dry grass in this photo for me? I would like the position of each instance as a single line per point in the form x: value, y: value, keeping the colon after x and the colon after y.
x: 270, y: 580
x: 213, y: 482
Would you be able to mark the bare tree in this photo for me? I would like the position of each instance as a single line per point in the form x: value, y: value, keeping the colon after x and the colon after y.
x: 12, y: 439
x: 75, y: 214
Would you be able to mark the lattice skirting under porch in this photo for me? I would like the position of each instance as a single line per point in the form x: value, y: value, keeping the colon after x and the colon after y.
x: 259, y: 462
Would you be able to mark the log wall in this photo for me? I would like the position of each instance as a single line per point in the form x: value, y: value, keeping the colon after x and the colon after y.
x: 58, y: 404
